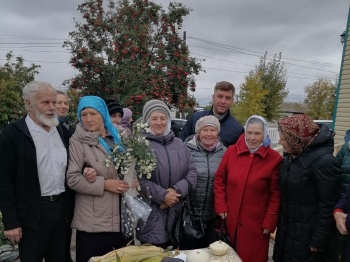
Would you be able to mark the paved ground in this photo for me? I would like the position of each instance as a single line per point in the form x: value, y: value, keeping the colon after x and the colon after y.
x: 72, y: 246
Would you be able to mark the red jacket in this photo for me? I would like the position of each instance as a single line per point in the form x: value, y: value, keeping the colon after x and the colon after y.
x: 246, y: 187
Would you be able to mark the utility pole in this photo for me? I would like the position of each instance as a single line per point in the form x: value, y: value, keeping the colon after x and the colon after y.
x: 184, y: 42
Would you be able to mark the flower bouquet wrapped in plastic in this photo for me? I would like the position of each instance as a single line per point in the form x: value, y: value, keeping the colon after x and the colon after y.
x: 134, y: 209
x: 135, y: 161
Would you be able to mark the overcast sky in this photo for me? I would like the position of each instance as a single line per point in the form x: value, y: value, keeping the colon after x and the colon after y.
x: 231, y: 35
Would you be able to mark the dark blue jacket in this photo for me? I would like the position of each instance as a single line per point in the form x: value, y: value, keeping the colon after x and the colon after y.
x: 344, y: 203
x: 344, y: 158
x: 230, y: 128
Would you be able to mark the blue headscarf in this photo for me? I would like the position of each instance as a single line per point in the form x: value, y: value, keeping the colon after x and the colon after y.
x: 99, y: 104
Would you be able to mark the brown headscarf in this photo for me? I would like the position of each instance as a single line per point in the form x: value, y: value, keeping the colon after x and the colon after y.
x: 299, y: 131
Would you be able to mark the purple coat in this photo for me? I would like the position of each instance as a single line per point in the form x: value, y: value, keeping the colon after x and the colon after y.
x: 175, y: 168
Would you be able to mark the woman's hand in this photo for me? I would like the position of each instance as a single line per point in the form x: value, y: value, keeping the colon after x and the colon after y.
x: 340, y: 219
x: 171, y: 197
x: 163, y: 206
x: 136, y: 184
x: 116, y: 186
x: 314, y: 249
x: 90, y: 174
x: 223, y: 215
x: 266, y: 231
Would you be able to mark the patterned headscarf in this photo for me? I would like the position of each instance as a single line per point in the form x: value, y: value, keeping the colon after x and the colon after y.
x: 299, y: 131
x: 99, y: 104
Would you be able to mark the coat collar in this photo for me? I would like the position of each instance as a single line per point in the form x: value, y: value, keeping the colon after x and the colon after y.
x: 227, y: 115
x: 243, y: 149
x: 22, y: 126
x: 191, y: 142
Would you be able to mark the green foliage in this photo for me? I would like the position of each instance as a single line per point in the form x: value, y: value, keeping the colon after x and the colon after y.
x: 3, y: 240
x: 251, y: 96
x: 208, y: 107
x: 320, y: 99
x: 13, y: 76
x: 17, y: 72
x: 74, y: 96
x: 11, y: 102
x: 274, y: 82
x: 263, y: 91
x: 131, y: 50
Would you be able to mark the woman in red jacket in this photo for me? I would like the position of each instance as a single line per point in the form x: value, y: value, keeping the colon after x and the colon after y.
x: 247, y: 192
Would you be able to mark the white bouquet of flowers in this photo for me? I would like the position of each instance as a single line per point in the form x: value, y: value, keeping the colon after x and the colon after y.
x: 135, y: 161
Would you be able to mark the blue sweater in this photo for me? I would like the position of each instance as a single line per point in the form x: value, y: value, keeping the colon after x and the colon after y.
x: 230, y: 128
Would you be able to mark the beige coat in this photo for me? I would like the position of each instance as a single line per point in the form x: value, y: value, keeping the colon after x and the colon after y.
x: 95, y: 210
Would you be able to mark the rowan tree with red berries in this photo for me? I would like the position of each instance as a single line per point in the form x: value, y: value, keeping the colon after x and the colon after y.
x: 132, y: 51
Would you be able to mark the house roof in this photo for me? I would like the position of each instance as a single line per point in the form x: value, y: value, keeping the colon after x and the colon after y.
x: 293, y: 107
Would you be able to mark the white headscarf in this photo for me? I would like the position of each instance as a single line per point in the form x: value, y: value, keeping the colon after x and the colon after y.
x: 258, y: 119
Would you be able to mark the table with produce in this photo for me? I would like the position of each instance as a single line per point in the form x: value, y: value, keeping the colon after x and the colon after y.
x: 217, y: 252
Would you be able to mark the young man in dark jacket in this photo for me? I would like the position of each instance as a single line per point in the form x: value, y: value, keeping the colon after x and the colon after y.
x: 231, y: 129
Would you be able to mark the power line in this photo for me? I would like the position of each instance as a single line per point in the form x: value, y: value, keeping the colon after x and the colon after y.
x: 233, y: 71
x: 30, y: 43
x: 47, y: 62
x: 222, y: 59
x: 32, y: 37
x: 15, y: 47
x: 225, y: 70
x: 235, y: 49
x: 259, y: 54
x: 228, y: 61
x: 37, y: 51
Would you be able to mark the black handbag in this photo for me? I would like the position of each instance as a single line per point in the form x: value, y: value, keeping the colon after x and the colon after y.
x: 219, y: 232
x: 187, y: 232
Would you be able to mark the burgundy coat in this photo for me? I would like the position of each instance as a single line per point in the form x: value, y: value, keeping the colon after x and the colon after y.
x: 246, y: 187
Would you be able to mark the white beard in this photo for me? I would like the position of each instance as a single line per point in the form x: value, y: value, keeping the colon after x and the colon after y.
x: 46, y: 121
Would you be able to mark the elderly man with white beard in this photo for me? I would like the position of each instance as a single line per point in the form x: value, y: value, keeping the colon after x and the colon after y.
x: 33, y: 160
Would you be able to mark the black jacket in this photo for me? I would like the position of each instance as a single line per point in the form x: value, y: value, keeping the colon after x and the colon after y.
x: 230, y: 128
x: 310, y: 186
x: 19, y: 182
x: 67, y: 131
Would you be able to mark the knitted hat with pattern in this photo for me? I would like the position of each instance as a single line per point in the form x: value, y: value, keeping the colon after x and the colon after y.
x: 154, y: 105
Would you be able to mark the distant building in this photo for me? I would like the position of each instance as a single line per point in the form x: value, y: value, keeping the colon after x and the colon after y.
x: 292, y: 108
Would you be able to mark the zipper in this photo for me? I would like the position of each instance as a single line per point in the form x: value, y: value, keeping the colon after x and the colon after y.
x: 169, y: 183
x: 207, y: 187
